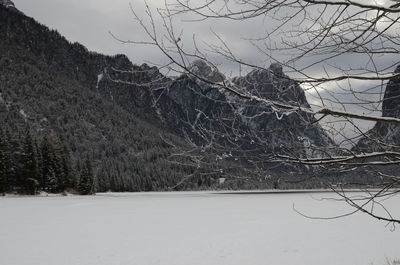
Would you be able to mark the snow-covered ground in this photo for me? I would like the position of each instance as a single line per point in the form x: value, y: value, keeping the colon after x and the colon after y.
x: 190, y: 228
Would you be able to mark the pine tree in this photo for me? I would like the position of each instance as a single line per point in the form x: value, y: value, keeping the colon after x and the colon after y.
x: 30, y: 169
x: 67, y: 178
x: 4, y: 163
x: 59, y: 179
x: 86, y: 181
x: 48, y: 180
x: 16, y: 166
x: 39, y: 161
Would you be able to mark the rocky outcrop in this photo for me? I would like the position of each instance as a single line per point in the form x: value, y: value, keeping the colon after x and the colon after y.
x: 382, y: 137
x: 220, y: 121
x: 391, y: 100
x: 385, y: 136
x: 207, y: 71
x: 291, y: 130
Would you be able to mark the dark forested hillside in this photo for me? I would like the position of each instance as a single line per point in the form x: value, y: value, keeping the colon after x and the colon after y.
x: 48, y: 84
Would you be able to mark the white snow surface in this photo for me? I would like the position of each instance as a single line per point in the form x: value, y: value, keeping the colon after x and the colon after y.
x: 23, y: 114
x: 99, y: 78
x: 190, y: 228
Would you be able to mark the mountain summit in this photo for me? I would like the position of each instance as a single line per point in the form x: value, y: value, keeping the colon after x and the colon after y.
x: 391, y: 100
x: 207, y: 71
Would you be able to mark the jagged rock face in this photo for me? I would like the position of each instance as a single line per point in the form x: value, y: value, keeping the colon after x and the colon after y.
x: 205, y: 70
x: 391, y: 100
x: 289, y: 130
x: 382, y: 137
x: 385, y: 132
x: 198, y: 110
x: 236, y: 124
x: 273, y: 84
x: 277, y: 69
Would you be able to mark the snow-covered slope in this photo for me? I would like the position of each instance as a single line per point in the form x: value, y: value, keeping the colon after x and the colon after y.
x: 191, y: 229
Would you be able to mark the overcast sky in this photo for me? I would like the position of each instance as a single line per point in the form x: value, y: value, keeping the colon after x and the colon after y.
x: 89, y: 22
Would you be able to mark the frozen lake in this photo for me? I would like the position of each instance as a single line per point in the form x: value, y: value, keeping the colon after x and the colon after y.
x: 190, y: 228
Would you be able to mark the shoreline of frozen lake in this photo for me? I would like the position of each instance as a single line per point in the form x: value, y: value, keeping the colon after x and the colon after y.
x: 233, y: 192
x: 191, y: 228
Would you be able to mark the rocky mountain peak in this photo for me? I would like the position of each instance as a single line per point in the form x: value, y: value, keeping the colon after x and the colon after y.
x: 384, y: 132
x: 272, y: 83
x: 205, y: 70
x: 7, y: 3
x: 276, y: 69
x: 391, y: 100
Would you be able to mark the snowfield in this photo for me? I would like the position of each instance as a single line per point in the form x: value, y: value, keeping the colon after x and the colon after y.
x: 191, y: 228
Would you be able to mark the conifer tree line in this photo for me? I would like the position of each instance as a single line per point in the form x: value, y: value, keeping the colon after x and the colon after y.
x: 29, y: 165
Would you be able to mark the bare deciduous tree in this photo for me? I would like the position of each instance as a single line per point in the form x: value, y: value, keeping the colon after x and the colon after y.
x: 340, y: 52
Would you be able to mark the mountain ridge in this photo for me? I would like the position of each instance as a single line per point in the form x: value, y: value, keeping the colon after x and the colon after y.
x: 135, y: 122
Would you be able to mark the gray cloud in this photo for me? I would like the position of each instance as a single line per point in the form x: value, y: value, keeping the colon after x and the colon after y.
x: 89, y: 22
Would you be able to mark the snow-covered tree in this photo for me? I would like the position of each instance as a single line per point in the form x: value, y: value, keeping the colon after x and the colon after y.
x: 87, y: 179
x: 29, y: 176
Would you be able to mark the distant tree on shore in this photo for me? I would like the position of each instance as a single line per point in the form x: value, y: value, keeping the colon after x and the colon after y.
x: 29, y: 176
x: 86, y: 181
x: 4, y: 163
